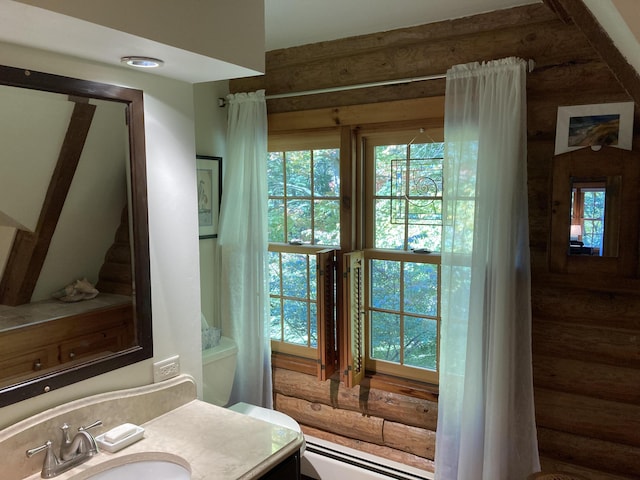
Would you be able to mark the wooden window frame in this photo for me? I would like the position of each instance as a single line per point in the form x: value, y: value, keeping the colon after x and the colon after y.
x: 426, y: 113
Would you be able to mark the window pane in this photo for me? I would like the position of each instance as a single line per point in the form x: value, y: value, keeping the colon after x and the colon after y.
x: 313, y: 327
x: 593, y: 217
x: 385, y: 284
x: 384, y: 155
x: 307, y: 208
x: 274, y: 273
x: 427, y: 150
x: 387, y: 233
x: 425, y: 193
x: 293, y: 292
x: 294, y: 275
x: 295, y: 322
x: 313, y: 283
x: 408, y: 196
x: 298, y: 167
x: 275, y: 174
x: 299, y: 217
x: 276, y: 221
x: 275, y: 319
x: 326, y: 173
x: 327, y: 222
x: 424, y: 236
x: 421, y: 288
x: 385, y: 336
x: 464, y: 214
x: 420, y: 342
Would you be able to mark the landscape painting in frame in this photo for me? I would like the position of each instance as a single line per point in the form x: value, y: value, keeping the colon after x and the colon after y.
x: 209, y: 180
x: 580, y: 126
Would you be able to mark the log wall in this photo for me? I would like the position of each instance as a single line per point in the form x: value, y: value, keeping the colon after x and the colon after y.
x: 396, y: 426
x: 586, y: 339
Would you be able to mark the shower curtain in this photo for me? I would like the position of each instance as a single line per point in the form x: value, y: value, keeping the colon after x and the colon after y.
x: 486, y: 426
x: 243, y: 246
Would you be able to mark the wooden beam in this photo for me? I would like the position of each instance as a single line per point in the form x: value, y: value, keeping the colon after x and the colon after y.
x: 343, y: 422
x: 614, y: 458
x: 361, y: 399
x: 30, y: 248
x: 601, y: 43
x: 583, y: 416
x: 429, y: 111
x: 557, y: 8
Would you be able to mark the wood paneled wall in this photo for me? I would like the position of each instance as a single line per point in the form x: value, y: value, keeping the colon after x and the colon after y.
x: 586, y: 341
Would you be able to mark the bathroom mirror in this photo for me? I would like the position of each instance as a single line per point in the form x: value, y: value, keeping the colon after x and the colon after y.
x: 75, y: 297
x: 594, y: 212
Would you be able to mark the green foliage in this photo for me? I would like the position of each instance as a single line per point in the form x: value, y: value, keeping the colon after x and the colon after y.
x: 293, y: 313
x: 304, y: 204
x: 404, y: 335
x: 593, y: 218
x: 408, y: 196
x: 304, y: 193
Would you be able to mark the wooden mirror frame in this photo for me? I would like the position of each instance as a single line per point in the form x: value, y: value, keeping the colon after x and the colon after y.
x: 133, y: 100
x: 608, y: 161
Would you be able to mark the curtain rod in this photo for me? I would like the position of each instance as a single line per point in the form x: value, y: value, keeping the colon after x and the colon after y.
x: 530, y: 67
x: 354, y: 87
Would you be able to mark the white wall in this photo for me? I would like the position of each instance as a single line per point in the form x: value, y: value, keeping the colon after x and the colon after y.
x: 93, y: 208
x: 33, y: 126
x: 173, y: 228
x: 211, y: 130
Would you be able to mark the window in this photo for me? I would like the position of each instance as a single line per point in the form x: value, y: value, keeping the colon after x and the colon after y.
x: 304, y: 219
x: 304, y: 196
x: 588, y: 212
x: 404, y: 198
x: 355, y: 219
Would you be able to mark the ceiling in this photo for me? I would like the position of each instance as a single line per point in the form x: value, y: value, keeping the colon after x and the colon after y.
x: 288, y: 23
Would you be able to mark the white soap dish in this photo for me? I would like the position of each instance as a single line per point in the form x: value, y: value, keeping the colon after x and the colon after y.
x: 120, y: 444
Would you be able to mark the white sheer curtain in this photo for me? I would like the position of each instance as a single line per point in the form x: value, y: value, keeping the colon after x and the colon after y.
x: 486, y: 425
x: 243, y: 246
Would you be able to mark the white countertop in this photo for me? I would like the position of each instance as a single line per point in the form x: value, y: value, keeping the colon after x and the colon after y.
x: 213, y: 442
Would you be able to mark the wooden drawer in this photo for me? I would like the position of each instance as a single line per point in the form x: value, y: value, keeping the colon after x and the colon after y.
x: 105, y: 341
x: 24, y: 364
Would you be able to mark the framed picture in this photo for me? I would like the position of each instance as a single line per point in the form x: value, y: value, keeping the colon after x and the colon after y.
x: 209, y: 180
x: 593, y: 126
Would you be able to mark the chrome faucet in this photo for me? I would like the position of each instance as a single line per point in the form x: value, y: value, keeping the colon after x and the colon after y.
x: 73, y: 452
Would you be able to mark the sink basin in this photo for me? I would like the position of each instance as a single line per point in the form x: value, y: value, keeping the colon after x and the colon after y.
x: 144, y: 470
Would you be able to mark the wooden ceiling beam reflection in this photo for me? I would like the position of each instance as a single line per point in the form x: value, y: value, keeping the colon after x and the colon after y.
x: 30, y: 249
x: 577, y: 12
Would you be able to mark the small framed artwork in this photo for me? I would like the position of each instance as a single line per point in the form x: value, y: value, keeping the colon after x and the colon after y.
x: 209, y: 179
x: 593, y: 126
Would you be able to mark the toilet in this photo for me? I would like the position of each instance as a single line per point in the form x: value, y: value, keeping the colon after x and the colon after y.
x: 218, y: 370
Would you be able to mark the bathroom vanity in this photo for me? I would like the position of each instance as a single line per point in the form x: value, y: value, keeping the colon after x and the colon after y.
x: 209, y: 441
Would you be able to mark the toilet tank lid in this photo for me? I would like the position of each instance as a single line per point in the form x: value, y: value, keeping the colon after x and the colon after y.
x: 225, y: 348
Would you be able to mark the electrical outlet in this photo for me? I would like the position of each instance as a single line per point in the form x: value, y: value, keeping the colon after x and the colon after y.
x: 165, y: 369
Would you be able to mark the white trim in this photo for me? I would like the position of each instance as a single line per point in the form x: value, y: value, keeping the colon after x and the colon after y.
x: 324, y: 460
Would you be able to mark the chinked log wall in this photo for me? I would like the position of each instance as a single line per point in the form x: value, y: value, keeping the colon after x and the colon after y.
x: 586, y: 355
x: 393, y: 425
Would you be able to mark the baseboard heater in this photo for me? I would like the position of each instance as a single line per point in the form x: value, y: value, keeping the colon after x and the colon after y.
x: 328, y: 461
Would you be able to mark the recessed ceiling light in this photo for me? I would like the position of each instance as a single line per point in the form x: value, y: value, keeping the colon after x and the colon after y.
x: 142, y: 62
